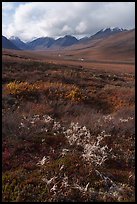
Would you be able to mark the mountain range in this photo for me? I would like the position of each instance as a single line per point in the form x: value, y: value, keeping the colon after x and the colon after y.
x: 44, y: 43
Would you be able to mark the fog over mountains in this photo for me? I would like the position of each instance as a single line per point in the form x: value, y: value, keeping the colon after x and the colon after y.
x: 44, y: 43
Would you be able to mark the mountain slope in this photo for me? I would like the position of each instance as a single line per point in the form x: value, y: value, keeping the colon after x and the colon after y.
x: 119, y: 46
x: 17, y: 42
x: 7, y: 44
x: 65, y: 41
x: 70, y: 42
x: 45, y: 43
x: 103, y: 33
x: 40, y: 43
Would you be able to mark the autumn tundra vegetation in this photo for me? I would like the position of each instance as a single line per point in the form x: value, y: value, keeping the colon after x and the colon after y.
x: 68, y: 132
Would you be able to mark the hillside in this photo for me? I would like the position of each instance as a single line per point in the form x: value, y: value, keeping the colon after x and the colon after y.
x: 17, y: 42
x: 40, y: 43
x: 120, y: 46
x: 8, y: 44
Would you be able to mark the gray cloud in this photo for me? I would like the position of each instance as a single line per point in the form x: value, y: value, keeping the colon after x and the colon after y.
x: 75, y: 18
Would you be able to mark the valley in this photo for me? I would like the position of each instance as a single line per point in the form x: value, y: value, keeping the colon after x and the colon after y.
x: 68, y: 118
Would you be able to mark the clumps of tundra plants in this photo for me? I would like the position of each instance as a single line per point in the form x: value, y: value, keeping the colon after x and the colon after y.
x: 74, y: 171
x: 76, y: 135
x: 25, y: 90
x: 92, y: 150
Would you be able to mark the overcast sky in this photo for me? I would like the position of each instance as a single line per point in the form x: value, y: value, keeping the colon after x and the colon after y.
x: 28, y: 20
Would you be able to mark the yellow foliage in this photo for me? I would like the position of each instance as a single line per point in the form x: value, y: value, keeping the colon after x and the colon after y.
x: 59, y: 90
x: 75, y: 95
x: 17, y: 87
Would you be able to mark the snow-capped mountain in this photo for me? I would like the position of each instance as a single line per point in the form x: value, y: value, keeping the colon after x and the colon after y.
x: 47, y: 42
x: 112, y: 29
x: 40, y: 43
x: 8, y: 44
x: 44, y: 43
x: 67, y: 40
x: 105, y: 32
x: 84, y: 39
x: 16, y: 41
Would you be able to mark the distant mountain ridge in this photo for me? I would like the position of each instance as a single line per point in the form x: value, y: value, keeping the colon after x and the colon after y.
x: 67, y: 40
x: 40, y: 43
x: 120, y: 46
x: 17, y: 42
x: 44, y: 43
x: 107, y: 32
x: 7, y: 44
